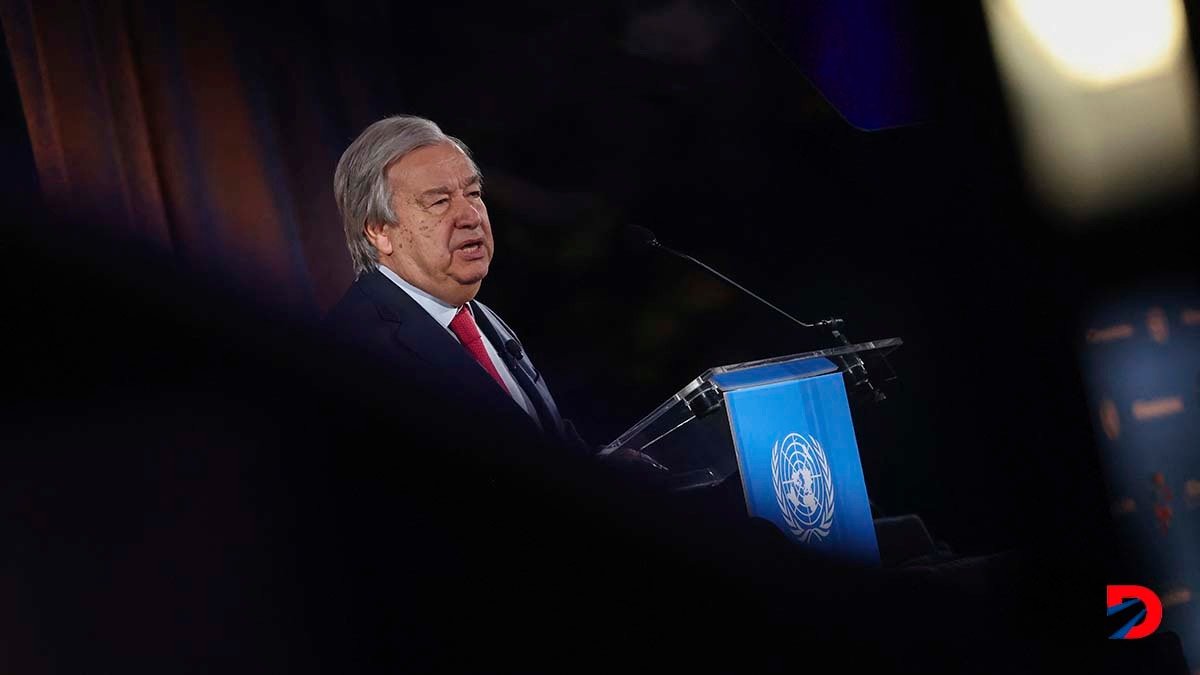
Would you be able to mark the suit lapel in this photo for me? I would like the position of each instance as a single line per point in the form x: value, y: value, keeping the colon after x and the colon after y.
x: 492, y: 333
x: 420, y: 334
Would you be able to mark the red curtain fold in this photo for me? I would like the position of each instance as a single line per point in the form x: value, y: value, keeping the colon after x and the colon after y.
x: 79, y: 92
x: 153, y: 120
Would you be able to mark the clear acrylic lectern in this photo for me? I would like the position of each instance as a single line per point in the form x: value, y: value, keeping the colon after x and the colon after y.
x: 784, y: 425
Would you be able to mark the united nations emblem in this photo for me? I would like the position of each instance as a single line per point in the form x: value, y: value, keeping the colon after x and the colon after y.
x: 803, y: 486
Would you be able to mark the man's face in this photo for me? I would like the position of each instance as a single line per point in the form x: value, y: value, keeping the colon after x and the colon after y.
x: 442, y: 240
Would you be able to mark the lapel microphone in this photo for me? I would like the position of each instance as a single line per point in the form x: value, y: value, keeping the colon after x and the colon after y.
x: 511, y: 346
x: 514, y: 350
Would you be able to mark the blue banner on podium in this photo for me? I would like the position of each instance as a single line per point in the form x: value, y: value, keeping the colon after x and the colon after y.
x: 799, y: 460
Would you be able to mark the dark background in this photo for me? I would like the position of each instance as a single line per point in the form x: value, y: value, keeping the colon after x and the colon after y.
x: 713, y: 137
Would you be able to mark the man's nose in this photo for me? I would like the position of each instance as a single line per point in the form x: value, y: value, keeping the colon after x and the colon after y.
x: 467, y: 215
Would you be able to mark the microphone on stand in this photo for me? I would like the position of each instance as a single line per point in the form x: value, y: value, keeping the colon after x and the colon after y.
x: 641, y: 236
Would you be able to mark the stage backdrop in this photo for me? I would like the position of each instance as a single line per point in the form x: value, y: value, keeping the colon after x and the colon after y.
x: 1142, y: 363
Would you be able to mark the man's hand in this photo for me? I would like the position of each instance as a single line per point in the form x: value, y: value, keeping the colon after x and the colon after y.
x: 628, y: 455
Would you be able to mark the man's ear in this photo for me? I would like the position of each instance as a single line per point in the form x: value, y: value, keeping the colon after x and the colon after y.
x: 379, y: 237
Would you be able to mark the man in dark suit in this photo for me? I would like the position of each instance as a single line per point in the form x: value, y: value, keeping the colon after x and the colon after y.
x: 418, y: 231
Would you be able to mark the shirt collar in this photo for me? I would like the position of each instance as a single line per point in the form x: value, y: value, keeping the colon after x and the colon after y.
x: 440, y: 311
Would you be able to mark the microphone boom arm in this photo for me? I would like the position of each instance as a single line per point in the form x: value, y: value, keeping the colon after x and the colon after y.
x: 852, y: 363
x: 831, y: 323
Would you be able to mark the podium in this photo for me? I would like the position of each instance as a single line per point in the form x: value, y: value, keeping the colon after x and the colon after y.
x: 782, y: 427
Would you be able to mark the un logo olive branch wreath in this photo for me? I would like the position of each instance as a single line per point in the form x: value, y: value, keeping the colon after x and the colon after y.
x: 783, y: 450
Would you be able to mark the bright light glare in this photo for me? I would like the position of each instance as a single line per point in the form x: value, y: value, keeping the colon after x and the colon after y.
x: 1104, y: 42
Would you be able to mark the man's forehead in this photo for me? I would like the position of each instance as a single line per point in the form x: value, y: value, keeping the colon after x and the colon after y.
x: 435, y: 166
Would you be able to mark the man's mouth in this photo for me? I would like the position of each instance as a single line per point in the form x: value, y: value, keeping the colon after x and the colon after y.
x: 471, y: 249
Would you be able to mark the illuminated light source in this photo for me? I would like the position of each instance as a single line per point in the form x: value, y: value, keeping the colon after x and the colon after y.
x: 1159, y: 407
x: 1104, y: 99
x: 1123, y: 506
x: 1192, y: 489
x: 1156, y: 325
x: 1105, y: 42
x: 1110, y: 419
x: 1110, y: 334
x: 1177, y: 596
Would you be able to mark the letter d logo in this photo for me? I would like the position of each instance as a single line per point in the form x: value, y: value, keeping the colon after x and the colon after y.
x: 1146, y: 621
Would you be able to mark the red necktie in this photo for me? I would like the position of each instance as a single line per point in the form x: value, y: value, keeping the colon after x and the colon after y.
x: 463, y: 325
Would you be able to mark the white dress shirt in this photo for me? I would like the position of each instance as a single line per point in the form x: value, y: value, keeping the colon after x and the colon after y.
x: 444, y: 314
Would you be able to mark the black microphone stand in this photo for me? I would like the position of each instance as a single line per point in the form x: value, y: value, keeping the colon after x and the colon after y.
x: 851, y: 363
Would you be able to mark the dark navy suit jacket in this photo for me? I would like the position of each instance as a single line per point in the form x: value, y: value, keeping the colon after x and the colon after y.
x: 380, y: 317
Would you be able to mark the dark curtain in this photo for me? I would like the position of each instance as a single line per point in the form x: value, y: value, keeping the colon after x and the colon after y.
x: 194, y: 127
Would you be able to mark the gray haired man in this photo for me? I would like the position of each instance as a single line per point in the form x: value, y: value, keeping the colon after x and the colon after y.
x: 411, y: 199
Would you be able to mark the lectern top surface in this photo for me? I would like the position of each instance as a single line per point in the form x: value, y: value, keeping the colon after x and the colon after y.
x: 732, y: 374
x: 677, y: 410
